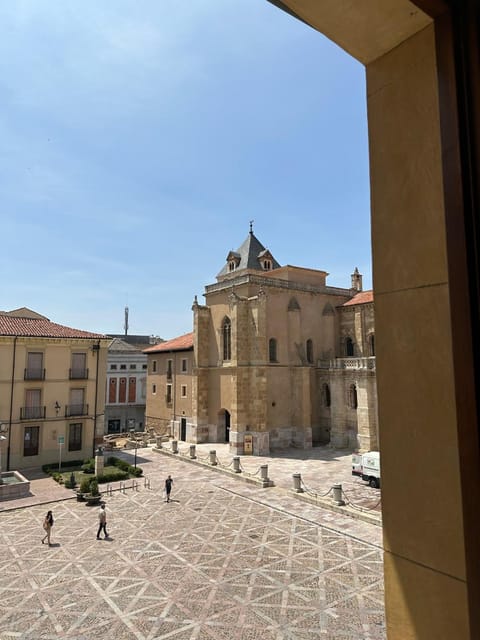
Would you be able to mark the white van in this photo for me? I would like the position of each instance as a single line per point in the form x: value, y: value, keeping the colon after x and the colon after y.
x: 367, y: 466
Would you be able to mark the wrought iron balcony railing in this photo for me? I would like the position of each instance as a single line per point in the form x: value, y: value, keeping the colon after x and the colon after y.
x: 34, y: 373
x: 78, y: 374
x: 76, y: 410
x: 32, y: 413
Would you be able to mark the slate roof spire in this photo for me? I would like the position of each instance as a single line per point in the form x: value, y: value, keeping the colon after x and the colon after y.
x: 250, y: 255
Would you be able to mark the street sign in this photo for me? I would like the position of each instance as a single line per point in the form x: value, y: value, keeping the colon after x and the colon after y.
x: 61, y: 440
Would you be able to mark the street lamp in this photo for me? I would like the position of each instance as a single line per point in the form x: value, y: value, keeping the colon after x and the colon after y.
x: 3, y: 436
x: 132, y: 433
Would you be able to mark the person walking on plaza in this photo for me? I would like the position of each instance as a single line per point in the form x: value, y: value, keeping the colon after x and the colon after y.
x: 168, y: 487
x: 47, y: 525
x: 102, y: 522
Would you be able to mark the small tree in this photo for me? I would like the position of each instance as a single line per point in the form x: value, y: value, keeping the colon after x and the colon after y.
x: 94, y: 487
x: 85, y: 485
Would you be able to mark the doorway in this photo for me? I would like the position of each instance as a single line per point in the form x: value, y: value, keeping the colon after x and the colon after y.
x: 183, y: 429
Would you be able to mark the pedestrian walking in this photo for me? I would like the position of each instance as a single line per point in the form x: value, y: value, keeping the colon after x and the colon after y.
x: 168, y: 487
x: 47, y: 525
x: 102, y: 522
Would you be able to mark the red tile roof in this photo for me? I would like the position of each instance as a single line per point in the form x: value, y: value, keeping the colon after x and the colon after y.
x: 182, y: 343
x: 40, y: 328
x: 360, y: 298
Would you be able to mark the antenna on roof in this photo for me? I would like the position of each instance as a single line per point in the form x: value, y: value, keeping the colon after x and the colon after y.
x: 125, y: 326
x: 251, y: 225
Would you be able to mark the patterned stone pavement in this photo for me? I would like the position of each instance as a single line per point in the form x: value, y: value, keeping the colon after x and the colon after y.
x: 223, y: 560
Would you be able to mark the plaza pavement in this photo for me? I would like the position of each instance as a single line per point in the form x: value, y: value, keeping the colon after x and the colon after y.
x: 225, y: 559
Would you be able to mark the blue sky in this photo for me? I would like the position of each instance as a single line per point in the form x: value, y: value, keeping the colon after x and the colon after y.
x: 140, y: 137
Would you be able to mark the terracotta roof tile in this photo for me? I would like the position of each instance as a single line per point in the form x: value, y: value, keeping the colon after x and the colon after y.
x: 360, y: 298
x: 40, y: 328
x: 182, y: 343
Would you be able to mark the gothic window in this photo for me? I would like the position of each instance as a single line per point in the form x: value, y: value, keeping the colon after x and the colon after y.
x: 326, y: 395
x: 267, y: 265
x: 348, y: 347
x: 272, y: 350
x: 231, y: 265
x: 353, y: 402
x: 309, y: 350
x: 227, y: 339
x: 371, y: 344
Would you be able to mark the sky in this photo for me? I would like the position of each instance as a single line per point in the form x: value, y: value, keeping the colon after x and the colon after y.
x: 140, y: 137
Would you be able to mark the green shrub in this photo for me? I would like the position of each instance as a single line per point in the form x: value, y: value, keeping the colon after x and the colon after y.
x: 113, y: 476
x: 53, y: 466
x: 94, y: 487
x: 136, y: 471
x: 57, y: 477
x: 112, y: 461
x: 88, y: 468
x: 85, y: 485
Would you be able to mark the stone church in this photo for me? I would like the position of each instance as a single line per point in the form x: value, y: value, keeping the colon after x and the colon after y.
x: 275, y: 354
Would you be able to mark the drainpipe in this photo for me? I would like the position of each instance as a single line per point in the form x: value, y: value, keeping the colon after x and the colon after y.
x: 11, y: 401
x: 96, y: 349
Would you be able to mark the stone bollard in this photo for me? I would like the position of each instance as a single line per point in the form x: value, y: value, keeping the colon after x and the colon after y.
x: 264, y: 474
x: 213, y: 457
x: 174, y: 446
x: 236, y: 464
x: 158, y: 440
x: 297, y: 483
x: 99, y: 461
x: 337, y: 495
x: 192, y: 452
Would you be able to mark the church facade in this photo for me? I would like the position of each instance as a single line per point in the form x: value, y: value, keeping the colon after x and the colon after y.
x: 275, y: 354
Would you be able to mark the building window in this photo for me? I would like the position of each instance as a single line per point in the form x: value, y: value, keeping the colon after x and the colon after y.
x: 113, y: 367
x: 123, y: 366
x: 353, y: 401
x: 184, y: 365
x: 154, y: 366
x: 326, y: 397
x: 168, y: 395
x: 112, y: 391
x: 184, y: 390
x: 267, y: 265
x: 33, y: 408
x: 144, y: 366
x: 30, y: 441
x: 348, y: 347
x: 371, y: 344
x: 75, y: 436
x: 34, y: 370
x: 231, y: 265
x: 227, y: 339
x: 309, y: 349
x: 272, y: 350
x: 154, y: 389
x: 133, y: 366
x: 79, y: 369
x: 77, y: 405
x: 169, y: 369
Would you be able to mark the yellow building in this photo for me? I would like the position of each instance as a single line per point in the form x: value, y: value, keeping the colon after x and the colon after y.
x: 52, y: 390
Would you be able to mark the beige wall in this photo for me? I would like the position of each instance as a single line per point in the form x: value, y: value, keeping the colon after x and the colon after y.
x: 56, y: 387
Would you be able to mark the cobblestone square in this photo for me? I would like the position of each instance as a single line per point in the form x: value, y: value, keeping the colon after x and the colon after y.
x: 223, y: 560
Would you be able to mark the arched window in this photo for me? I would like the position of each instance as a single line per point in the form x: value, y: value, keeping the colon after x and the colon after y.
x: 227, y: 338
x: 353, y: 397
x: 272, y: 350
x: 267, y: 265
x: 309, y: 349
x: 348, y: 347
x: 326, y: 395
x: 371, y: 344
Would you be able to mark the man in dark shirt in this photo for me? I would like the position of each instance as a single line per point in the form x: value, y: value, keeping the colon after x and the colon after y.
x: 168, y: 487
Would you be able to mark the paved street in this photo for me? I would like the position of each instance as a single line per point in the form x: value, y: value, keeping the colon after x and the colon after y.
x: 225, y: 559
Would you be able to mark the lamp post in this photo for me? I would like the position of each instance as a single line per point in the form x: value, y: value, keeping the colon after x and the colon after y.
x: 132, y: 433
x: 3, y: 436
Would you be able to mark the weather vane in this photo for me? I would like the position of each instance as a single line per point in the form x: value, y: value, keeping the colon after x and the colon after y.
x: 251, y: 225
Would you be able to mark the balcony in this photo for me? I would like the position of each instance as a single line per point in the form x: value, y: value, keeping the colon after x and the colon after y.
x: 32, y: 413
x: 76, y: 410
x: 78, y: 374
x: 34, y: 373
x: 354, y: 364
